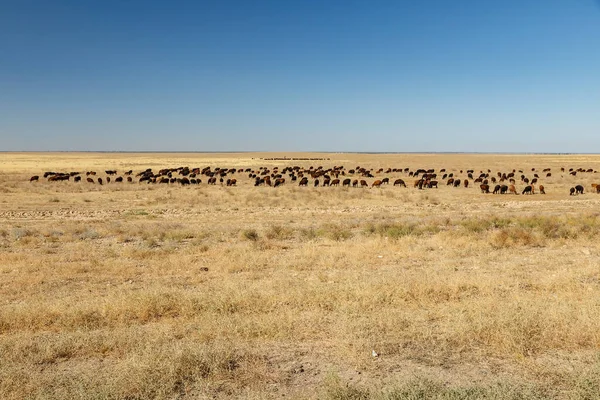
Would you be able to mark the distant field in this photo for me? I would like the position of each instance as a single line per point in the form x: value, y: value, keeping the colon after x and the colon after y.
x: 137, y: 290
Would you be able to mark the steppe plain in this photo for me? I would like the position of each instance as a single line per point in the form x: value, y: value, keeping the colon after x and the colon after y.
x: 136, y: 291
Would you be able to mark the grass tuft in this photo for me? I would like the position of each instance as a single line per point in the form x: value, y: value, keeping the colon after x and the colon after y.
x: 250, y: 234
x: 335, y: 232
x: 279, y: 232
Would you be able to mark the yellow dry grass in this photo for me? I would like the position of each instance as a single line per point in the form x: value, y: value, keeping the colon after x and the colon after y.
x: 161, y: 291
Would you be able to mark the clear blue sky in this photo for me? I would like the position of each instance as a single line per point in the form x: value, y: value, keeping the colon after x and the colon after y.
x: 300, y: 75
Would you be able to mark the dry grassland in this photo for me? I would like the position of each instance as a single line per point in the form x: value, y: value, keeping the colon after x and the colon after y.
x: 137, y: 291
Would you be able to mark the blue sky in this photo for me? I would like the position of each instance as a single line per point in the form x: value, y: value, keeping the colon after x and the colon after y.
x: 300, y: 75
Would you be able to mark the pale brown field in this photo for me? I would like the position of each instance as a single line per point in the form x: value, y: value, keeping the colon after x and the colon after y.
x: 136, y: 291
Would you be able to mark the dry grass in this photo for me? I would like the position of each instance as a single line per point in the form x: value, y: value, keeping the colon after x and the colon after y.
x: 140, y: 291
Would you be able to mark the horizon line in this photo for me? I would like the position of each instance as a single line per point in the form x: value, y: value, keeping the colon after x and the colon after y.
x: 295, y: 151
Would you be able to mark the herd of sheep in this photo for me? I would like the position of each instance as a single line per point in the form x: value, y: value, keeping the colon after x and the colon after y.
x: 498, y: 183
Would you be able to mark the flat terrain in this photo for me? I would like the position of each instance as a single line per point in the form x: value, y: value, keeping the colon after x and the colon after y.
x: 137, y: 290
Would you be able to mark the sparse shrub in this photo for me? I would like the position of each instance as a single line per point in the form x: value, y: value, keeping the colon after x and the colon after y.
x: 474, y: 225
x: 398, y: 230
x: 20, y: 233
x: 589, y: 226
x: 263, y: 244
x: 309, y: 233
x: 370, y: 228
x: 53, y: 236
x: 279, y: 232
x: 53, y: 233
x: 335, y: 232
x: 203, y: 248
x: 555, y: 229
x: 136, y: 212
x: 500, y: 222
x: 531, y: 231
x: 250, y: 234
x: 515, y: 236
x: 151, y: 242
x: 524, y: 237
x: 549, y: 227
x: 88, y: 234
x: 500, y: 239
x: 395, y: 231
x: 478, y: 225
